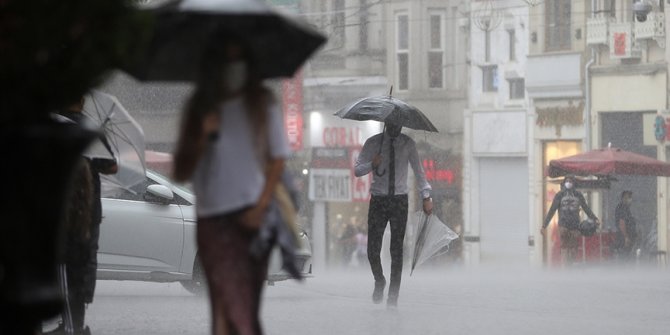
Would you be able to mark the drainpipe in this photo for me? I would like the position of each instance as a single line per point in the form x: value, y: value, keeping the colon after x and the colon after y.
x: 587, y: 111
x: 587, y: 88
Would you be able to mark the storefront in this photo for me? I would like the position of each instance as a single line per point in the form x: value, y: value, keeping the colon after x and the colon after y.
x: 496, y: 187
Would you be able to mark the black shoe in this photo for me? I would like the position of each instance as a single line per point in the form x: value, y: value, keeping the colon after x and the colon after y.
x: 378, y: 293
x: 392, y: 302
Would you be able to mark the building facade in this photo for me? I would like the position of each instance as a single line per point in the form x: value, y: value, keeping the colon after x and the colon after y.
x: 498, y: 126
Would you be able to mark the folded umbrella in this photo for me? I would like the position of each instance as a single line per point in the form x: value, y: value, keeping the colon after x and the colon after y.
x: 123, y: 139
x: 432, y: 240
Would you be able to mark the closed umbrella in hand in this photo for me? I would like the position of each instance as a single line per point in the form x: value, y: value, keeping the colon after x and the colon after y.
x: 432, y: 239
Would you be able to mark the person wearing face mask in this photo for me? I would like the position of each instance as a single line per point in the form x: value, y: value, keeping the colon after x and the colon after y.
x: 388, y: 156
x: 232, y: 146
x: 567, y: 202
x: 626, y: 228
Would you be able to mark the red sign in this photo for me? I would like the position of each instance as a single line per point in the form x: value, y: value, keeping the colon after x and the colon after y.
x: 620, y: 44
x: 340, y: 137
x: 292, y: 107
x: 433, y: 173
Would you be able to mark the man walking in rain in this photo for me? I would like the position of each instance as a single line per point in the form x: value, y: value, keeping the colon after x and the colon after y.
x: 568, y: 202
x: 387, y: 156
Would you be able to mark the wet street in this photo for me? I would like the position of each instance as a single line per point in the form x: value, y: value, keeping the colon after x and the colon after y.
x: 459, y: 301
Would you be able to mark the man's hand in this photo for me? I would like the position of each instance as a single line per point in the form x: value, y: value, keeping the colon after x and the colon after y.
x: 376, y: 161
x: 428, y: 206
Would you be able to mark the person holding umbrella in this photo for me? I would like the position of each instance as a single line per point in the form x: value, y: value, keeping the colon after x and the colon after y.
x: 387, y: 156
x: 84, y: 216
x: 567, y: 202
x: 232, y: 146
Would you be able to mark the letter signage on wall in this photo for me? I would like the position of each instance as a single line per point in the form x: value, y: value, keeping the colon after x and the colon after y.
x: 293, y: 108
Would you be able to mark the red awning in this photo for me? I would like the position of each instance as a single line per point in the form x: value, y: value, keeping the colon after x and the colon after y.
x: 609, y: 161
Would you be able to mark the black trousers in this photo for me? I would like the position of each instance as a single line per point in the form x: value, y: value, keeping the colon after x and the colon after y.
x: 385, y: 209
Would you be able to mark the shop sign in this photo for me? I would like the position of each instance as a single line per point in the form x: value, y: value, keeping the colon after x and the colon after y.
x: 330, y: 185
x: 293, y: 108
x: 434, y: 173
x: 656, y: 129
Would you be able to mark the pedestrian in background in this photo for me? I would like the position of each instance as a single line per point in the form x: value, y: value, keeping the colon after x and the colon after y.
x: 78, y: 272
x: 626, y: 228
x: 228, y: 120
x: 568, y: 202
x: 389, y: 201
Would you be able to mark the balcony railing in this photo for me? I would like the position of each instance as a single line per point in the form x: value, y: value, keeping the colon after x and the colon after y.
x: 624, y: 38
x: 653, y: 28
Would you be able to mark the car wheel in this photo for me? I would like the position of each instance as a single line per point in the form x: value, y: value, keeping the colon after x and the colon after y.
x: 198, y: 284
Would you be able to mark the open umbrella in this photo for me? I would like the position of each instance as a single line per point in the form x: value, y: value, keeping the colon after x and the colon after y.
x: 608, y: 161
x: 278, y: 44
x: 432, y: 240
x: 123, y: 139
x: 387, y: 109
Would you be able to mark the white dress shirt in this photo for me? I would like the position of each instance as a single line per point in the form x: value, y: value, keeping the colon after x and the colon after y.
x: 405, y: 155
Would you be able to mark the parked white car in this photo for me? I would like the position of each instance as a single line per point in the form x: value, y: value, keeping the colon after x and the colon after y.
x: 148, y: 233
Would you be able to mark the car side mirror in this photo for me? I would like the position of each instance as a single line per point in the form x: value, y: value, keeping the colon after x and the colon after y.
x: 159, y: 193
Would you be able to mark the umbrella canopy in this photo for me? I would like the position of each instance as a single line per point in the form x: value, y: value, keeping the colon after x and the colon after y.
x: 432, y: 240
x: 387, y: 109
x: 277, y: 44
x: 608, y: 161
x: 123, y: 136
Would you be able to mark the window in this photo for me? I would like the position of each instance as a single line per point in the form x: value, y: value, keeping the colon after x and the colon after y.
x: 512, y: 44
x: 490, y: 78
x: 436, y: 52
x: 517, y: 88
x: 402, y: 50
x: 558, y: 25
x: 337, y: 22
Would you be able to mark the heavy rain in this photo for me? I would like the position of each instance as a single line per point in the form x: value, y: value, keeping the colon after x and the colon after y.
x: 335, y: 167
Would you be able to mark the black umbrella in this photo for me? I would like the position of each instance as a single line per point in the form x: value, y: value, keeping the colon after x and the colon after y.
x: 387, y: 109
x: 278, y: 45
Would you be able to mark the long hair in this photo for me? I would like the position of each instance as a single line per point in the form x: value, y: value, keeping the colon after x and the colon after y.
x: 209, y: 93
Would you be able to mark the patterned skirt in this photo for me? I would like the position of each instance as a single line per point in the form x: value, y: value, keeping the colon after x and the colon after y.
x: 235, y: 278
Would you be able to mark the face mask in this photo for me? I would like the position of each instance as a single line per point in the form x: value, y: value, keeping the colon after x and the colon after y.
x: 568, y: 185
x: 235, y: 76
